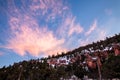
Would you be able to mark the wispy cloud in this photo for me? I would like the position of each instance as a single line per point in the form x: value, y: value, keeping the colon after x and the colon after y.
x: 92, y: 28
x: 84, y: 42
x: 49, y: 9
x: 29, y: 37
x: 74, y: 28
x: 96, y: 35
x: 70, y: 30
x: 100, y: 35
x: 69, y: 26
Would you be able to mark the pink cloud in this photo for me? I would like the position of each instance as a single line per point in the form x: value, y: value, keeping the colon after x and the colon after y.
x: 38, y: 5
x: 92, y: 28
x: 95, y: 34
x: 74, y: 28
x: 27, y: 36
x: 43, y: 7
x: 69, y: 26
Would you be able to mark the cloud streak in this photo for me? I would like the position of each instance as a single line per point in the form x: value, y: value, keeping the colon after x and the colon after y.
x: 69, y: 27
x: 95, y: 35
x: 92, y: 28
x: 74, y: 28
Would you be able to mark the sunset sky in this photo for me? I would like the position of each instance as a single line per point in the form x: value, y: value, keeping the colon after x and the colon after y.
x: 32, y: 29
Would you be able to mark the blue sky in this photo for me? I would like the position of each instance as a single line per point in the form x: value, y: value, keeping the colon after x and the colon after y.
x: 32, y: 29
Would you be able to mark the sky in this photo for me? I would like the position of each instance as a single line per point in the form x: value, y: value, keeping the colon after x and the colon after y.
x: 31, y: 29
